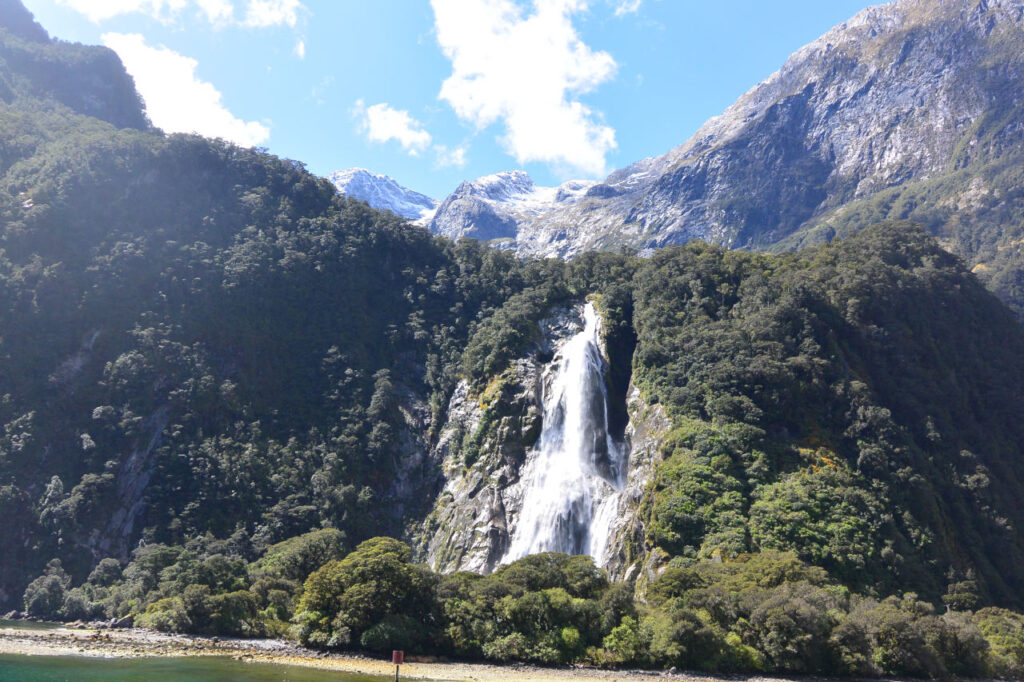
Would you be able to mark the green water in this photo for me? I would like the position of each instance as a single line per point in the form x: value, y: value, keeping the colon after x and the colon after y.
x: 29, y: 625
x: 199, y: 669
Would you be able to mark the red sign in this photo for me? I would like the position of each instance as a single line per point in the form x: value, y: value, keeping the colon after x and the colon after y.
x: 397, y: 657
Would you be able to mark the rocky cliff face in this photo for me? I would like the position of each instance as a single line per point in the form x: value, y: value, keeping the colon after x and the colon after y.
x: 483, y: 447
x: 892, y: 95
x: 900, y: 92
x: 910, y: 110
x: 468, y: 527
x: 647, y: 425
x: 383, y: 193
x: 495, y: 206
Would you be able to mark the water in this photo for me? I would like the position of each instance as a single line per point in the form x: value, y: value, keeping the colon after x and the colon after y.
x: 198, y: 669
x: 29, y: 625
x: 573, y: 476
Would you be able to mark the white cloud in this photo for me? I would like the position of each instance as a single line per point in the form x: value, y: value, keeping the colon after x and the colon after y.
x: 98, y: 10
x: 176, y: 99
x: 300, y: 49
x: 450, y: 157
x: 624, y: 7
x: 258, y: 13
x: 523, y: 69
x: 217, y: 12
x: 320, y: 89
x: 382, y: 123
x: 264, y: 13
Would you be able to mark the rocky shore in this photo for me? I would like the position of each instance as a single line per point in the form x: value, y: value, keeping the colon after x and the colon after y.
x: 138, y: 643
x: 129, y: 643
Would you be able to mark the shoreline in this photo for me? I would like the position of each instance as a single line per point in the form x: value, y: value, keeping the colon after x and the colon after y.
x: 139, y: 643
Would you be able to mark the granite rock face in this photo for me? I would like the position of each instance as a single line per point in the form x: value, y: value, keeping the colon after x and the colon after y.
x: 647, y: 425
x: 894, y: 94
x: 382, y: 192
x: 482, y: 447
x: 481, y: 493
x: 495, y: 206
x: 901, y: 93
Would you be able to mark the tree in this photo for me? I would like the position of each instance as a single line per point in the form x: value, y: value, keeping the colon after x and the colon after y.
x: 44, y: 596
x: 344, y: 599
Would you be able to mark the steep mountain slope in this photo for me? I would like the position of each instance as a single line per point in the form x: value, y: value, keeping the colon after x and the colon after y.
x: 887, y: 97
x: 217, y: 376
x: 908, y: 110
x: 38, y: 73
x: 494, y: 206
x: 204, y: 338
x: 819, y: 409
x: 805, y: 403
x: 383, y: 193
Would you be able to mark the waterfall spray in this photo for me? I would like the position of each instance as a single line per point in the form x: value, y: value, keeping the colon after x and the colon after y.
x: 573, y: 476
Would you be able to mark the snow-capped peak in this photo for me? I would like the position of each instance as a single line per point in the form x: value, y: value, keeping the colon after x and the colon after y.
x: 493, y: 206
x: 382, y: 192
x: 490, y: 208
x: 517, y: 191
x: 504, y: 186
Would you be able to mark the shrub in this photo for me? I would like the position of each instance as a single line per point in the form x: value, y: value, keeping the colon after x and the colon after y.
x: 511, y: 647
x: 106, y: 573
x: 235, y: 613
x: 297, y: 557
x: 680, y: 638
x: 371, y: 584
x: 166, y: 615
x: 791, y: 628
x: 78, y: 606
x: 44, y: 596
x: 395, y: 632
x: 1004, y: 632
x: 629, y: 642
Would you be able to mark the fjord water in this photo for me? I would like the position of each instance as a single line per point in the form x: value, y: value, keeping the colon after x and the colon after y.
x: 29, y: 625
x: 573, y: 476
x: 198, y: 669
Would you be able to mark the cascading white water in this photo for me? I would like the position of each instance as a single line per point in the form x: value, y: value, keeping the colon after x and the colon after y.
x: 572, y: 479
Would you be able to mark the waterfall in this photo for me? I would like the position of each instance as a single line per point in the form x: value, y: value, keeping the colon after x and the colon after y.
x: 572, y: 478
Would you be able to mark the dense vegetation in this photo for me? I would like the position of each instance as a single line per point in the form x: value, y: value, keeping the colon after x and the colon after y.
x: 203, y: 338
x: 974, y: 208
x: 766, y: 611
x: 218, y: 381
x: 857, y: 403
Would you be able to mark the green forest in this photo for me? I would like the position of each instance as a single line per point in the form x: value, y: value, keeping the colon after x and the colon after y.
x: 205, y: 360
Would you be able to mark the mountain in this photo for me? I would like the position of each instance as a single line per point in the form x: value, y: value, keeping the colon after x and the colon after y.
x: 909, y: 110
x: 222, y: 384
x: 490, y: 208
x: 493, y: 207
x: 86, y: 79
x: 908, y: 92
x: 383, y: 193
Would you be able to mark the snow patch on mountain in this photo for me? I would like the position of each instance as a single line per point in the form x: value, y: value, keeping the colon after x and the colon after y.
x: 494, y: 206
x: 382, y: 192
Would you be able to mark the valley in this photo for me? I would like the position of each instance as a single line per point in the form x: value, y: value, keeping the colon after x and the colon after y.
x: 753, y: 406
x: 908, y: 111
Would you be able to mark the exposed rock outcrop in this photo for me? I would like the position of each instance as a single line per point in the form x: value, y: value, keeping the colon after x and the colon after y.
x: 909, y: 110
x: 647, y: 425
x: 495, y: 207
x: 482, y: 449
x: 900, y: 92
x: 382, y: 192
x: 132, y: 480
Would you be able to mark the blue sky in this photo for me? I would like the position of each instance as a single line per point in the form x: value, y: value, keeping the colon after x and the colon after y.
x: 433, y: 92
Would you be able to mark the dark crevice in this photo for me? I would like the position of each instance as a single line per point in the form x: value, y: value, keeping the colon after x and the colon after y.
x: 620, y: 341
